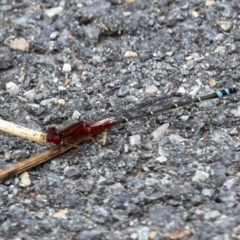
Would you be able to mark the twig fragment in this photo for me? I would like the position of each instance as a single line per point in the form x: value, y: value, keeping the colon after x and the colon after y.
x: 22, y: 132
x: 40, y: 158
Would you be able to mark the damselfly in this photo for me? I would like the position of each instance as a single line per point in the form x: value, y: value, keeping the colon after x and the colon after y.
x: 83, y: 128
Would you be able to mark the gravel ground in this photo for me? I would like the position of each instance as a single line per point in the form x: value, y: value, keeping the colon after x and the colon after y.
x: 84, y: 59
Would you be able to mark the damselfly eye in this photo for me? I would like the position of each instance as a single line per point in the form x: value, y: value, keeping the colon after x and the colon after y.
x: 53, y: 135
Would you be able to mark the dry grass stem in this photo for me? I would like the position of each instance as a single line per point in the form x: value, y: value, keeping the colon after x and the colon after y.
x: 22, y: 132
x: 40, y: 158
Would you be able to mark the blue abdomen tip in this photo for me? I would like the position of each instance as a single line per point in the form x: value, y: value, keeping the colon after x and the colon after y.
x: 224, y: 92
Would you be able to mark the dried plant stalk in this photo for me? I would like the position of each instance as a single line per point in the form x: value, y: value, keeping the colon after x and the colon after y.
x: 45, y: 156
x: 22, y: 132
x: 41, y: 158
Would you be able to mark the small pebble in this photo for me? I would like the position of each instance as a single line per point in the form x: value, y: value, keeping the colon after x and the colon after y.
x: 225, y: 25
x: 79, y: 5
x: 67, y: 82
x: 207, y: 192
x: 45, y: 102
x: 134, y: 140
x: 19, y: 44
x: 199, y: 212
x: 212, y: 82
x: 129, y: 1
x: 123, y: 91
x: 61, y: 214
x: 151, y: 89
x: 212, y: 215
x: 66, y: 67
x: 134, y: 236
x: 12, y: 89
x: 76, y: 114
x: 195, y: 14
x: 61, y: 102
x: 129, y: 54
x: 61, y: 88
x: 160, y: 131
x: 161, y: 159
x: 200, y: 176
x: 71, y: 172
x: 210, y: 3
x: 54, y: 35
x: 181, y: 90
x: 236, y: 112
x: 152, y: 234
x: 228, y: 184
x: 25, y: 179
x: 194, y: 89
x: 53, y: 11
x: 184, y: 117
x: 7, y: 155
x: 176, y: 139
x: 219, y: 49
x: 30, y: 95
x: 126, y: 148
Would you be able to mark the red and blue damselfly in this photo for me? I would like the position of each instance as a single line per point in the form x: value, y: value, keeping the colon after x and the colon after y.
x: 84, y: 128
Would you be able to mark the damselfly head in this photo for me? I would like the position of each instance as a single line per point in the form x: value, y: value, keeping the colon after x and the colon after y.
x: 53, y: 135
